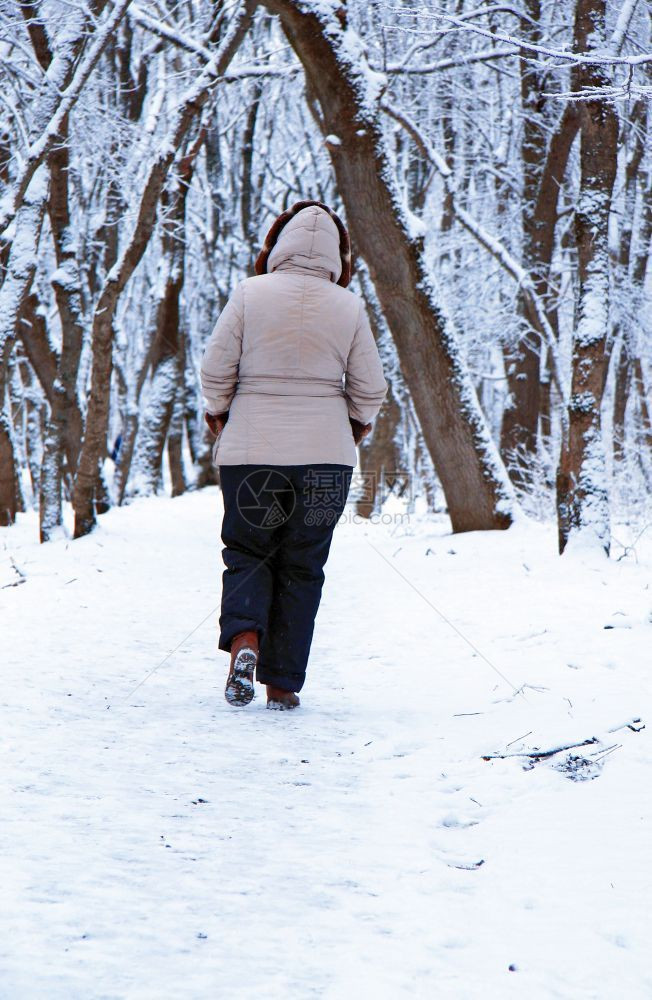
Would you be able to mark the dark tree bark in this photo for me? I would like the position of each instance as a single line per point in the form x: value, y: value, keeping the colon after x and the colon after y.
x: 8, y: 475
x: 175, y: 444
x: 478, y: 493
x: 583, y: 506
x: 37, y: 33
x: 47, y: 367
x: 645, y: 432
x: 523, y: 368
x: 247, y: 207
x: 544, y: 166
x: 380, y: 453
x: 380, y: 457
x: 622, y: 385
x: 64, y: 429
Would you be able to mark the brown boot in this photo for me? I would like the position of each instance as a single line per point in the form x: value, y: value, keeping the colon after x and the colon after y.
x: 239, y: 688
x: 280, y: 699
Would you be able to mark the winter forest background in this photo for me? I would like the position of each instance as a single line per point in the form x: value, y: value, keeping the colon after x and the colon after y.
x: 461, y: 807
x: 493, y: 163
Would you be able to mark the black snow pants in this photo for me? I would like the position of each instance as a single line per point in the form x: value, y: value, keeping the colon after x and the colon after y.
x: 277, y: 530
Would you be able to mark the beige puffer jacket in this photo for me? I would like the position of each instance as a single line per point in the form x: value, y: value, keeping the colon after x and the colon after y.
x: 292, y: 357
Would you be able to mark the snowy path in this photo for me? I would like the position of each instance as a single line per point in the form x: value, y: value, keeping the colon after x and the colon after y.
x: 162, y: 845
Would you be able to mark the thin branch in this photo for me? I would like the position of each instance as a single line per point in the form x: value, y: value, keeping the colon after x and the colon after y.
x: 542, y: 754
x: 572, y: 58
x: 444, y: 64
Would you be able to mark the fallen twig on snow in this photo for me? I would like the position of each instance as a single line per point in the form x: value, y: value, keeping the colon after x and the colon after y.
x: 636, y: 725
x: 22, y: 577
x: 540, y: 754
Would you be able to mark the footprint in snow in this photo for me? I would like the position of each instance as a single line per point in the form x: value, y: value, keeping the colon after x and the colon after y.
x: 453, y: 822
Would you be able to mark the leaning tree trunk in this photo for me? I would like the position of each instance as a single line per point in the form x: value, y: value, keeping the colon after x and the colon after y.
x: 582, y: 500
x: 97, y: 419
x: 476, y: 486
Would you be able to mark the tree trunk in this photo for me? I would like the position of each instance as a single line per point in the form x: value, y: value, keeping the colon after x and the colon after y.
x: 190, y: 107
x: 518, y: 433
x: 476, y: 486
x: 520, y: 424
x: 380, y: 453
x: 168, y: 349
x: 50, y: 509
x: 543, y: 174
x: 175, y: 445
x: 247, y: 186
x: 622, y: 386
x: 34, y: 426
x: 583, y: 504
x: 379, y: 457
x: 129, y: 394
x: 646, y: 419
x: 8, y: 475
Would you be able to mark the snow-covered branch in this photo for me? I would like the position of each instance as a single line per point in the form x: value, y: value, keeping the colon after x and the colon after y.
x: 58, y: 106
x: 548, y: 52
x: 497, y: 250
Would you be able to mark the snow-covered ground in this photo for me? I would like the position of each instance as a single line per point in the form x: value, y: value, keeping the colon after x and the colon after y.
x: 155, y: 843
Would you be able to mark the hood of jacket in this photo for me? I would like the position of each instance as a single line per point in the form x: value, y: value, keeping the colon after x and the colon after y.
x: 309, y: 237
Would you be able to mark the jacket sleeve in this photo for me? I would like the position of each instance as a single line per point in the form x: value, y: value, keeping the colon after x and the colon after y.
x: 219, y: 367
x: 364, y: 386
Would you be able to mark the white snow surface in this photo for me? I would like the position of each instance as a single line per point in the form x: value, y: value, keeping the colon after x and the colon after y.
x: 157, y: 843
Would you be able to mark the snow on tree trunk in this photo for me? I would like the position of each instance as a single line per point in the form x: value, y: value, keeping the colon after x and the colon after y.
x: 582, y: 489
x: 154, y: 426
x: 18, y: 278
x: 50, y: 509
x: 475, y: 483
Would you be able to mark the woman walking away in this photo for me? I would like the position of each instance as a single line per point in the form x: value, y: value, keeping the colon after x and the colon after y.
x: 292, y: 380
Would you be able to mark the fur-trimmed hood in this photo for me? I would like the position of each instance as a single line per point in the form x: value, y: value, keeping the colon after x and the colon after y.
x: 309, y: 235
